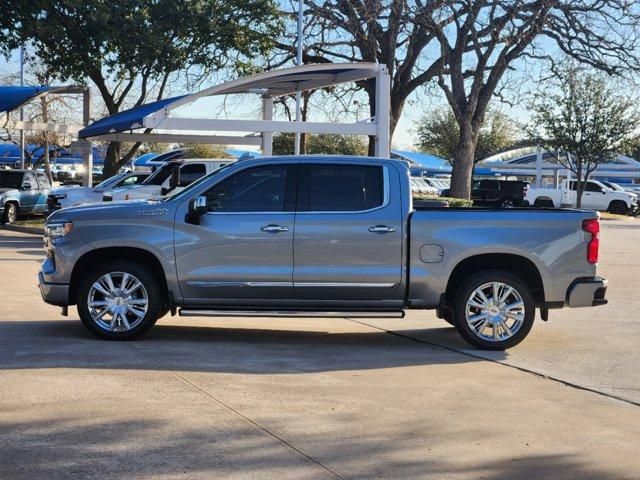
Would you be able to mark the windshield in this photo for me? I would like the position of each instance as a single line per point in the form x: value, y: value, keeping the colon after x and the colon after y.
x: 187, y: 191
x: 106, y: 182
x: 159, y: 176
x: 10, y: 179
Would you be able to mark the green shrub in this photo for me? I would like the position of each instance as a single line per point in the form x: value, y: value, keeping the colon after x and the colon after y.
x: 453, y: 202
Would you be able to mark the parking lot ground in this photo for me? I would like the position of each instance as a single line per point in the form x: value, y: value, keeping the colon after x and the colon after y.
x: 318, y: 398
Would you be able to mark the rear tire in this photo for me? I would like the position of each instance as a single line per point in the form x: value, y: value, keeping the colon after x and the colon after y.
x: 494, y: 310
x: 543, y: 204
x: 507, y: 203
x: 119, y: 300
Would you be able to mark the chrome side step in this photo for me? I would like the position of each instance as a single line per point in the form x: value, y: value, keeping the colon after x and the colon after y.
x: 184, y: 312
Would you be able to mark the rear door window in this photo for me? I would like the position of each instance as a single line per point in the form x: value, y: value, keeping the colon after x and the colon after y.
x: 341, y: 188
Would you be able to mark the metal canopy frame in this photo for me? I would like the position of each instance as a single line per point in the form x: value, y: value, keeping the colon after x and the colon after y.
x: 268, y: 85
x: 20, y: 125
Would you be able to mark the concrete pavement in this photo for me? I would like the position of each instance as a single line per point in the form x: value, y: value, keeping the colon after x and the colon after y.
x: 316, y: 398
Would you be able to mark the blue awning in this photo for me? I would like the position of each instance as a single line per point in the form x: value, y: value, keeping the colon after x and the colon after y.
x: 126, y: 120
x: 12, y: 98
x: 426, y: 160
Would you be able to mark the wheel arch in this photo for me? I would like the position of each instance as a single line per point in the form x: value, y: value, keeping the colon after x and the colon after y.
x: 134, y: 254
x: 518, y: 265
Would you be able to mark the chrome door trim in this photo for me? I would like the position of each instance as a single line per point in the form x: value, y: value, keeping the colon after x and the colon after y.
x: 344, y: 284
x: 205, y: 284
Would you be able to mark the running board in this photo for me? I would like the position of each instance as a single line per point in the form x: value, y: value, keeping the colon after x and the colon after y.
x: 184, y: 312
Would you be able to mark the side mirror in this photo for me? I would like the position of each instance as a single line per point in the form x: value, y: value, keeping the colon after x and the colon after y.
x: 175, y: 177
x: 197, y: 207
x: 26, y: 186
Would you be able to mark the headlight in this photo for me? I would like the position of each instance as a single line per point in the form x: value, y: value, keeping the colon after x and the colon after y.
x: 59, y: 196
x: 57, y: 229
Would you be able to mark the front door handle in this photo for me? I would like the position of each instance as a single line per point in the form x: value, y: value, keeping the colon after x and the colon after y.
x: 382, y: 229
x: 274, y: 228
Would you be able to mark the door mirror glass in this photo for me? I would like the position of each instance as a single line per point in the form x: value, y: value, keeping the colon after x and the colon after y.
x: 198, y: 205
x: 26, y: 186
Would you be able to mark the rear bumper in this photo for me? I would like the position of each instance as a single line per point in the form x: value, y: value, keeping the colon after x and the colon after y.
x: 53, y: 293
x: 587, y: 292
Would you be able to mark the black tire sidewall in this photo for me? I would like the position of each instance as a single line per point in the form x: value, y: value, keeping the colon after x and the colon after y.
x: 142, y: 274
x: 480, y: 278
x: 7, y: 208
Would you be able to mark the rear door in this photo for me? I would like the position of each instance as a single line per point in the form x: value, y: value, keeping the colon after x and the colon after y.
x: 348, y: 233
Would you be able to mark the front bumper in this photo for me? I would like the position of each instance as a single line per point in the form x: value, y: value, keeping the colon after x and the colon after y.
x: 587, y: 292
x: 54, y: 293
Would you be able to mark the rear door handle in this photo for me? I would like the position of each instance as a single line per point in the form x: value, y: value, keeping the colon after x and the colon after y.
x: 274, y: 228
x: 382, y: 229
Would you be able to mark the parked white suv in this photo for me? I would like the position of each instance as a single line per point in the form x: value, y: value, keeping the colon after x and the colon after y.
x: 170, y: 178
x: 596, y: 196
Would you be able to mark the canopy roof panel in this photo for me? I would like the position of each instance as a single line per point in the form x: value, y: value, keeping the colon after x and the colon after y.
x: 126, y: 120
x: 268, y: 84
x: 13, y: 97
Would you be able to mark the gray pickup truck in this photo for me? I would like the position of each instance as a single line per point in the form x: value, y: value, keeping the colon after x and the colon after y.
x: 312, y: 236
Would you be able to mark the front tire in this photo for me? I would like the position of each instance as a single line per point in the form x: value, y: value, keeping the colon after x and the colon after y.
x: 618, y: 207
x: 10, y: 213
x: 119, y: 300
x: 494, y: 310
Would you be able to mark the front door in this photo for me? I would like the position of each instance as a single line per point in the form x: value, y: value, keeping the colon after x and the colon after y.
x: 242, y: 248
x: 30, y: 193
x: 348, y: 238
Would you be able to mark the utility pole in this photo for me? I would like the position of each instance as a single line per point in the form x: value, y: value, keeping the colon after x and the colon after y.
x: 21, y: 108
x: 299, y: 63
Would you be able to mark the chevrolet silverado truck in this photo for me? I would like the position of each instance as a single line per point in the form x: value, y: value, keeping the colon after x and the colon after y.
x: 313, y: 236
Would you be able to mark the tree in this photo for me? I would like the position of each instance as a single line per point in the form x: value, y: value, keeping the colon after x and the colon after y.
x: 585, y: 122
x: 438, y: 133
x: 321, y: 144
x: 467, y: 47
x: 132, y: 50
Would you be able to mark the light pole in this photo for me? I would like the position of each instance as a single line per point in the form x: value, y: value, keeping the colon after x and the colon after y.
x: 299, y: 63
x: 21, y: 108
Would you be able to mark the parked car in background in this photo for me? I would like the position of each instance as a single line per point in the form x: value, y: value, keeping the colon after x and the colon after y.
x: 170, y: 178
x: 418, y: 185
x: 596, y: 196
x: 499, y: 193
x: 22, y: 192
x: 440, y: 184
x: 317, y: 235
x: 64, y: 197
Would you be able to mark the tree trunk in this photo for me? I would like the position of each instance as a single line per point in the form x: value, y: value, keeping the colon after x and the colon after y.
x: 462, y: 172
x: 111, y: 159
x: 579, y: 183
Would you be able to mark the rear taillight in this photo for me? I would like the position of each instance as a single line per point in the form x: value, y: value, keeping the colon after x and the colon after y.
x: 592, y: 226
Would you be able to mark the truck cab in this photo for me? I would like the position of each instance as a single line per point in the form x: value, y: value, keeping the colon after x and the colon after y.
x: 170, y: 178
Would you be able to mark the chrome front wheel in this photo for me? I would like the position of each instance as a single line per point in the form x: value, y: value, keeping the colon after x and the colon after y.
x: 118, y: 301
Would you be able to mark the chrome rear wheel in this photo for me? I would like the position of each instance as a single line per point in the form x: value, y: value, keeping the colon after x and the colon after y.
x: 495, y: 311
